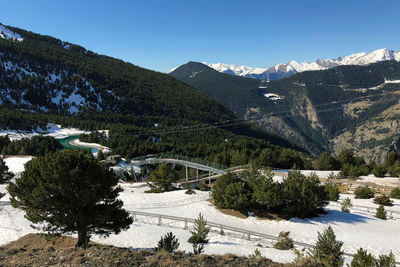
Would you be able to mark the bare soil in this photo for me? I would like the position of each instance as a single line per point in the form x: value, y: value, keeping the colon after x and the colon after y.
x: 44, y: 250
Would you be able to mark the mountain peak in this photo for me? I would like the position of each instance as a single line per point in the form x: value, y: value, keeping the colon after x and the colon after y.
x: 279, y: 71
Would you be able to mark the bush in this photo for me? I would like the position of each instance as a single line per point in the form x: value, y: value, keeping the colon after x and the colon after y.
x: 364, y: 192
x: 285, y: 242
x: 327, y: 249
x: 381, y: 213
x: 332, y: 190
x: 386, y: 261
x: 198, y: 248
x: 5, y: 175
x: 395, y: 193
x: 203, y: 186
x: 346, y: 205
x: 255, y: 255
x: 304, y: 195
x: 199, y: 235
x: 379, y: 170
x: 161, y: 179
x: 363, y: 259
x: 383, y: 200
x: 168, y: 243
x: 229, y: 192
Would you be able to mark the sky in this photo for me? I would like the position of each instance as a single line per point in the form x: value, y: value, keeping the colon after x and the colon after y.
x: 162, y: 34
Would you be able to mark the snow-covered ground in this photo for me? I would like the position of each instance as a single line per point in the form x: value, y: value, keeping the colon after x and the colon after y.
x: 357, y: 229
x: 16, y: 164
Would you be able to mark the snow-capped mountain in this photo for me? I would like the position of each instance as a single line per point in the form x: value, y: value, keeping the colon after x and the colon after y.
x: 285, y: 70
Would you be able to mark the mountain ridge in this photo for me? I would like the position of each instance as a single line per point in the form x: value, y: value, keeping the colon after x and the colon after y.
x: 280, y: 71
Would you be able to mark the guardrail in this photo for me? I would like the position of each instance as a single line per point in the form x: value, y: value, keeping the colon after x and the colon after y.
x: 221, y: 229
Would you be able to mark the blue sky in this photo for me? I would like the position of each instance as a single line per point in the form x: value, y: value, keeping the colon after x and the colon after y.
x: 161, y: 34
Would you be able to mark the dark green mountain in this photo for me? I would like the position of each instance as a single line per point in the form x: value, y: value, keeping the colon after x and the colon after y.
x: 44, y: 79
x: 314, y: 108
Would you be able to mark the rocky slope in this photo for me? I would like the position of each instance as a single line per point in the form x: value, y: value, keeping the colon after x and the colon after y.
x: 347, y: 107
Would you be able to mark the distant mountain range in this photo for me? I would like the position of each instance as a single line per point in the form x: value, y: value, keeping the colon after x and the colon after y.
x: 280, y: 71
x: 346, y: 107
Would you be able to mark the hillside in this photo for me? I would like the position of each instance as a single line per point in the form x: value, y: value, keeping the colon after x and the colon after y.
x: 43, y: 79
x: 321, y: 110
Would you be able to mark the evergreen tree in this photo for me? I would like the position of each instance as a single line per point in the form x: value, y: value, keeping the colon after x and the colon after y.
x: 162, y: 178
x: 328, y: 250
x: 266, y: 192
x: 346, y: 205
x: 363, y: 259
x: 327, y: 162
x: 168, y: 243
x: 381, y: 213
x: 304, y: 195
x: 364, y: 192
x: 386, y: 261
x: 199, y: 235
x: 332, y: 190
x: 69, y: 192
x: 5, y: 175
x: 100, y: 155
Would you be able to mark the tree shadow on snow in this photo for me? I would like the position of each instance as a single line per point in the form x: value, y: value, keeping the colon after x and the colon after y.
x: 335, y: 216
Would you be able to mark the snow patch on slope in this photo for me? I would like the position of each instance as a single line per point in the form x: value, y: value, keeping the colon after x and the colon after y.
x: 5, y: 33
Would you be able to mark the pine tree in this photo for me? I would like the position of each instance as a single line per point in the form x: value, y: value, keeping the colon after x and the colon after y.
x: 386, y: 261
x: 328, y: 250
x: 381, y: 213
x: 5, y: 175
x: 346, y: 205
x: 68, y: 192
x: 162, y: 178
x: 168, y: 243
x: 363, y: 259
x: 199, y: 235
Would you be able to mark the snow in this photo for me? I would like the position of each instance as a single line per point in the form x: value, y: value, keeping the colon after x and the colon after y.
x: 16, y: 164
x: 293, y: 66
x: 356, y: 229
x: 8, y: 34
x: 273, y: 96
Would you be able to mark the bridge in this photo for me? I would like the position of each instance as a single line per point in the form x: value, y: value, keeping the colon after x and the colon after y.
x: 214, y: 169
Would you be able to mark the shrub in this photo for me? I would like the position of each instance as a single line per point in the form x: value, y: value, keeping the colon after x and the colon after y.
x: 199, y: 235
x: 198, y: 248
x: 285, y: 242
x: 5, y: 175
x: 168, y: 243
x: 256, y: 254
x: 379, y: 170
x: 383, y: 200
x: 395, y: 193
x: 381, y: 213
x: 346, y: 205
x: 162, y: 178
x: 327, y: 249
x: 229, y: 192
x: 304, y: 195
x: 332, y: 190
x: 364, y: 192
x: 203, y: 186
x: 265, y: 192
x: 363, y: 259
x: 386, y: 261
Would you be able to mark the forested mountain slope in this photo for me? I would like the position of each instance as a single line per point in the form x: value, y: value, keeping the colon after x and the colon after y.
x: 44, y: 79
x: 316, y: 108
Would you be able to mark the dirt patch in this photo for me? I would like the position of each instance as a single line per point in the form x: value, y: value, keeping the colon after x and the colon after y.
x: 43, y: 250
